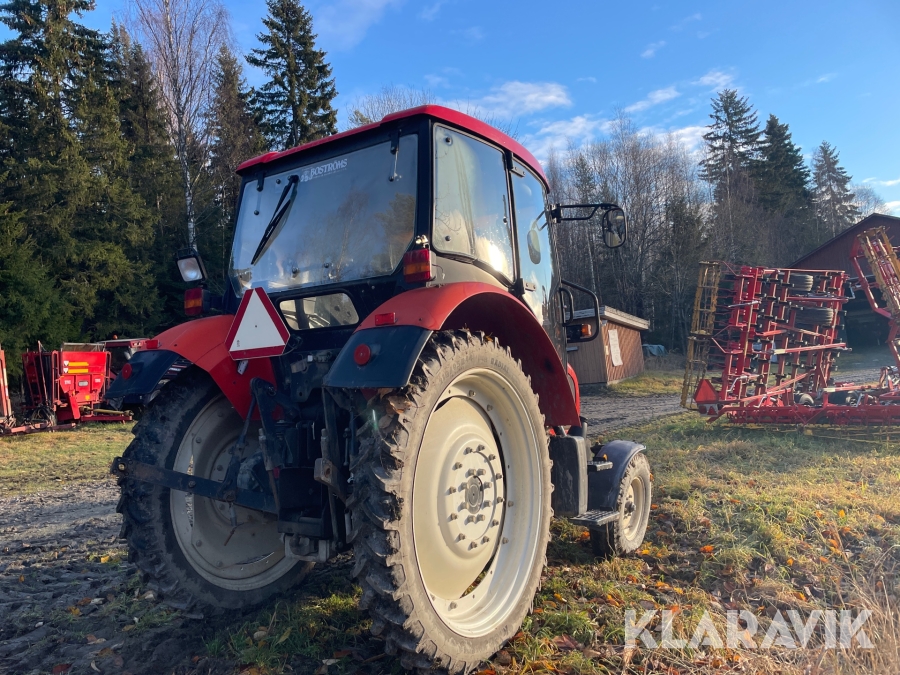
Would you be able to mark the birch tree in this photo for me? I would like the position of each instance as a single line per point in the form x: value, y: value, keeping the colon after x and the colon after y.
x: 182, y: 39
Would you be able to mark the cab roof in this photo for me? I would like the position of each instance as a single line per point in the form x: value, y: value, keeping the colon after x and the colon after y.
x: 454, y: 117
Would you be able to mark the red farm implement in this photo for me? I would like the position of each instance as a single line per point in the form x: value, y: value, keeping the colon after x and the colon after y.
x: 61, y: 388
x: 763, y: 343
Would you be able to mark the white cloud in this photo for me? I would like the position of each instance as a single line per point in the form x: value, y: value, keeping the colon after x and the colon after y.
x: 592, y: 80
x: 513, y: 99
x: 715, y: 79
x: 686, y: 20
x: 654, y: 98
x: 894, y: 207
x: 690, y: 136
x: 437, y: 81
x: 652, y: 48
x: 558, y: 134
x: 472, y: 34
x: 827, y: 77
x: 885, y: 183
x: 343, y: 24
x: 430, y: 12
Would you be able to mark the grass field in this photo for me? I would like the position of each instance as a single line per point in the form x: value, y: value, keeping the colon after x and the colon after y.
x: 742, y: 519
x: 47, y: 460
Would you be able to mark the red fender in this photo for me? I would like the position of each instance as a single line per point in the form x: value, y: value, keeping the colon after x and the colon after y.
x: 202, y: 342
x: 480, y: 306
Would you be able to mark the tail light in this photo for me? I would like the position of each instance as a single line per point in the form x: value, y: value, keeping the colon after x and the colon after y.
x: 196, y: 301
x: 417, y: 265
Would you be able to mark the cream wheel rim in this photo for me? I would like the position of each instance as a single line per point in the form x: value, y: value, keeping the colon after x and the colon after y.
x: 478, y: 502
x: 244, y: 558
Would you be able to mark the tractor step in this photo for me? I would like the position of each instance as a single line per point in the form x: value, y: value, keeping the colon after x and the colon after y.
x: 595, y: 519
x: 599, y: 466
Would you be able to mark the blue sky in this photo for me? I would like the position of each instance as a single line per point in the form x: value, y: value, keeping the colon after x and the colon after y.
x: 559, y: 70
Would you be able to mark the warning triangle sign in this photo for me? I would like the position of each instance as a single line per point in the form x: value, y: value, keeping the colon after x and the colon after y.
x: 257, y: 330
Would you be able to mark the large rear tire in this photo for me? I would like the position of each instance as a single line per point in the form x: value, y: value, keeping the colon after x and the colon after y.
x: 451, y: 505
x: 184, y: 545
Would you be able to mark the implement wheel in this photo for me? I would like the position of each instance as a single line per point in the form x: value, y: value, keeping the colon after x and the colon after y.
x: 451, y: 509
x: 186, y: 546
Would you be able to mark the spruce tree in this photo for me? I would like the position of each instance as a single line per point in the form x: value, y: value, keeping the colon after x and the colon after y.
x: 732, y: 144
x: 836, y: 209
x: 294, y: 106
x: 235, y: 138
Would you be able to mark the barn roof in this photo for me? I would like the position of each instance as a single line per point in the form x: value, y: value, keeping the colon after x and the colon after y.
x: 834, y: 254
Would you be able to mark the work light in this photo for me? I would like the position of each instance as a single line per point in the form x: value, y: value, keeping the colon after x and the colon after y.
x: 191, y: 265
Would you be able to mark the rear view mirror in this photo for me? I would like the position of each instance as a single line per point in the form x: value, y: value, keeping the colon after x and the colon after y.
x: 615, y: 229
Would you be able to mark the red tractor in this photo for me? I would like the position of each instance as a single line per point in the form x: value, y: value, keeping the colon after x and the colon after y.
x: 387, y: 373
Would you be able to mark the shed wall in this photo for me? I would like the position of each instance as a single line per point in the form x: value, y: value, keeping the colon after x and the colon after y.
x: 592, y: 361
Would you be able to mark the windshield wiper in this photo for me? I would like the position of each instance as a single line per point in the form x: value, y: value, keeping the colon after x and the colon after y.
x: 276, y: 218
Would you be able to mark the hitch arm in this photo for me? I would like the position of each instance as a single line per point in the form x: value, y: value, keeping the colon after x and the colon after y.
x: 202, y: 487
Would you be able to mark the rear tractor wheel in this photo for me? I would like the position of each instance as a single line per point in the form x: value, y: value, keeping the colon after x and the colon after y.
x: 451, y: 509
x: 188, y: 547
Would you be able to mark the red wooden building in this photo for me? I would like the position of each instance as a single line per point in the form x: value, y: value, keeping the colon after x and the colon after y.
x: 864, y: 327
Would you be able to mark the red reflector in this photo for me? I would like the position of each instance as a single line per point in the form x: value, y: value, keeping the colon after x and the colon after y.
x: 362, y: 354
x: 386, y: 319
x: 151, y: 344
x: 126, y: 371
x: 417, y: 265
x: 193, y: 301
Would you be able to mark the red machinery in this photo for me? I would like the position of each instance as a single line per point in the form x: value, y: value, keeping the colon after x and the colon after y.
x: 763, y: 343
x: 61, y: 388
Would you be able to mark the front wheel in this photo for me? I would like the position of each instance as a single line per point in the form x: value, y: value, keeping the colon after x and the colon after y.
x: 451, y: 509
x: 194, y: 550
x: 626, y: 533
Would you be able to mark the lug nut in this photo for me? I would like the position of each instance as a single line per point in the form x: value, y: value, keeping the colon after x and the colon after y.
x: 495, y: 523
x: 480, y: 448
x: 467, y: 451
x: 499, y: 500
x: 470, y: 519
x: 452, y: 605
x: 498, y: 476
x: 473, y: 545
x: 480, y: 472
x: 486, y: 484
x: 453, y: 516
x: 485, y: 540
x: 509, y: 503
x: 479, y: 517
x: 461, y: 536
x: 471, y: 392
x: 491, y: 458
x: 458, y: 465
x: 451, y: 490
x: 504, y: 540
x: 489, y: 408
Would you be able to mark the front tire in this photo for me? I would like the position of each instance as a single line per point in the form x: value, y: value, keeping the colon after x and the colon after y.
x: 625, y: 534
x: 184, y: 545
x: 451, y: 509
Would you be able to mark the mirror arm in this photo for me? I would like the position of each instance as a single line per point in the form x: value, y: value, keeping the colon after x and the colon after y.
x: 556, y: 210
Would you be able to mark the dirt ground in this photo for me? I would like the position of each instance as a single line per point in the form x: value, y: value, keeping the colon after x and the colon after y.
x: 71, y: 603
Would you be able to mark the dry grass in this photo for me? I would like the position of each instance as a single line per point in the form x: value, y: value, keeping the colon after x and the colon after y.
x: 47, y: 460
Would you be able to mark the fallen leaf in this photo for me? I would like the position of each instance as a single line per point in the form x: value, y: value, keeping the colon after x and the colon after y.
x: 790, y: 562
x: 284, y: 636
x: 104, y: 558
x: 61, y: 668
x: 820, y: 515
x: 706, y: 550
x: 342, y: 653
x: 127, y: 628
x: 842, y: 514
x: 560, y: 598
x: 565, y: 643
x: 22, y: 581
x: 91, y: 639
x: 74, y: 611
x: 95, y: 668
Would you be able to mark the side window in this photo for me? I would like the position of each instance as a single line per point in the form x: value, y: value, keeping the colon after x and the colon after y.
x: 471, y: 206
x: 535, y: 255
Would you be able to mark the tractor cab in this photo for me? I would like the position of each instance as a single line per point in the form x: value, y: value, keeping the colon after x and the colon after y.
x: 427, y: 197
x: 387, y: 373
